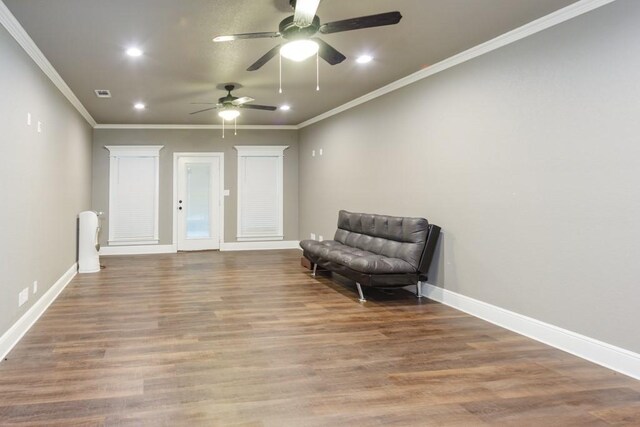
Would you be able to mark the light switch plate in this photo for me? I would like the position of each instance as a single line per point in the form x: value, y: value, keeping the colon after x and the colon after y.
x: 23, y: 297
x: 321, y: 151
x: 28, y: 119
x: 312, y: 236
x: 226, y: 192
x: 313, y: 153
x: 320, y: 238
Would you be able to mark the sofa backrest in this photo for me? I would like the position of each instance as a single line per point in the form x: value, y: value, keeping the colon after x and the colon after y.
x: 391, y: 236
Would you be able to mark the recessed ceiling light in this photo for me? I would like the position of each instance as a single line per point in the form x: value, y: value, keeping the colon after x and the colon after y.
x: 134, y: 51
x: 363, y: 59
x: 285, y: 107
x: 139, y: 106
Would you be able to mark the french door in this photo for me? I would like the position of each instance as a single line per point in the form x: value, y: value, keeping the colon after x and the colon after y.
x: 198, y: 202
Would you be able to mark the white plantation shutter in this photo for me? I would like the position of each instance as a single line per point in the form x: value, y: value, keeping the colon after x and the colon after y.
x: 260, y: 192
x: 133, y: 195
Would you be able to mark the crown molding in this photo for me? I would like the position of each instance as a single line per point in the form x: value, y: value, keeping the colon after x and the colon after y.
x: 201, y: 127
x: 20, y: 35
x: 576, y: 9
x: 555, y: 18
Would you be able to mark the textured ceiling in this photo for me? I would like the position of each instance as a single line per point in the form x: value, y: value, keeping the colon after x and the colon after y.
x: 85, y: 41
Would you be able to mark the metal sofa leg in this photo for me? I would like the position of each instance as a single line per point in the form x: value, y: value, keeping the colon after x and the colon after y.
x: 419, y: 289
x: 360, y: 292
x: 315, y: 266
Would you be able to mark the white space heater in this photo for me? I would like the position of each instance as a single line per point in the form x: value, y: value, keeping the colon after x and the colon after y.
x: 88, y: 246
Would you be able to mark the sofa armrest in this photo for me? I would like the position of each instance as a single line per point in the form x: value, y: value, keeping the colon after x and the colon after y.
x: 429, y: 249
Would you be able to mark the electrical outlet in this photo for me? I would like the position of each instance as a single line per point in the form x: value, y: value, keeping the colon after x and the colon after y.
x: 313, y: 236
x: 35, y: 286
x: 313, y: 153
x: 320, y: 238
x: 39, y: 127
x: 23, y: 296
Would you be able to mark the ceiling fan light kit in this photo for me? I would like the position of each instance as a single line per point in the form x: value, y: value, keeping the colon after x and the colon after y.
x: 299, y: 50
x: 230, y: 106
x: 229, y: 114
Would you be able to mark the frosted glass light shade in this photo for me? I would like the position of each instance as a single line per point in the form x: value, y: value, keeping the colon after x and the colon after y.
x: 299, y: 50
x: 229, y: 114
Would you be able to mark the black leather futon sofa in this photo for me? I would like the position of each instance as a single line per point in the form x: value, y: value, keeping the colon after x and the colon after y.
x: 377, y: 250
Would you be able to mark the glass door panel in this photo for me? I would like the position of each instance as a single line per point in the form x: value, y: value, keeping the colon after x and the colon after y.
x: 198, y: 206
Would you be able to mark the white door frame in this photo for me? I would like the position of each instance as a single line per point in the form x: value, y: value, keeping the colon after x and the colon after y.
x: 174, y: 209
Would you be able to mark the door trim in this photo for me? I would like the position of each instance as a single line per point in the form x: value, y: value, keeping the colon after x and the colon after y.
x: 174, y: 199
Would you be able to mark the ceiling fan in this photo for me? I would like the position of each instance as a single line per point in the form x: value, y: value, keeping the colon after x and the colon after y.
x: 299, y: 31
x: 230, y: 105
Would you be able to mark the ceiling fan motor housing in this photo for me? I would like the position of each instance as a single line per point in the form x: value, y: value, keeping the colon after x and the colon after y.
x: 228, y: 98
x: 291, y: 31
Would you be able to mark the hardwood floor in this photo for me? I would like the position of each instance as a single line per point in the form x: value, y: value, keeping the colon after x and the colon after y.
x: 250, y: 339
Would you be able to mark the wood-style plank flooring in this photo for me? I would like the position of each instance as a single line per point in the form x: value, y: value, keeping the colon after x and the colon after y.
x: 250, y: 339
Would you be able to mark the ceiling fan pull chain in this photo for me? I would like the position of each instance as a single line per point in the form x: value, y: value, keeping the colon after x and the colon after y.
x: 235, y: 126
x: 222, y: 128
x: 317, y: 71
x: 280, y: 56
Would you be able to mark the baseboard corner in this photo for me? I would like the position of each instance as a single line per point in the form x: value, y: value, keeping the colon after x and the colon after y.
x: 601, y: 353
x: 15, y: 333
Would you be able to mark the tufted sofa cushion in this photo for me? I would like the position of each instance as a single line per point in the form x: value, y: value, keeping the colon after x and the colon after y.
x: 374, y: 244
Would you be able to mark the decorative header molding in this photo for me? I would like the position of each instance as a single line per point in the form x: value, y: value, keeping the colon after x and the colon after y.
x: 134, y: 150
x: 261, y: 150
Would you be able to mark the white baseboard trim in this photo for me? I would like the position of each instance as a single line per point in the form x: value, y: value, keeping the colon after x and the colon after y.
x: 259, y: 246
x: 618, y: 359
x: 138, y: 250
x: 10, y: 338
x: 224, y: 246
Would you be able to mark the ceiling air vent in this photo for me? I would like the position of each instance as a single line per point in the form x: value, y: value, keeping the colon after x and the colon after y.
x: 102, y: 93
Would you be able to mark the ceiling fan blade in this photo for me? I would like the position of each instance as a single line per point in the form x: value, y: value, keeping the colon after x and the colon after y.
x: 329, y: 53
x: 231, y: 37
x: 389, y: 18
x: 242, y: 100
x: 259, y: 107
x: 264, y: 59
x: 202, y: 111
x: 204, y: 103
x: 305, y: 12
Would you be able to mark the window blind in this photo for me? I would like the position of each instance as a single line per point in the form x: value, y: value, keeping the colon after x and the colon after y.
x: 260, y: 199
x: 260, y: 211
x: 133, y: 197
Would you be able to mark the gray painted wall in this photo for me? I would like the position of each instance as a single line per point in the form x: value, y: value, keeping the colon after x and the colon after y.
x: 45, y: 180
x: 528, y: 157
x: 196, y: 141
